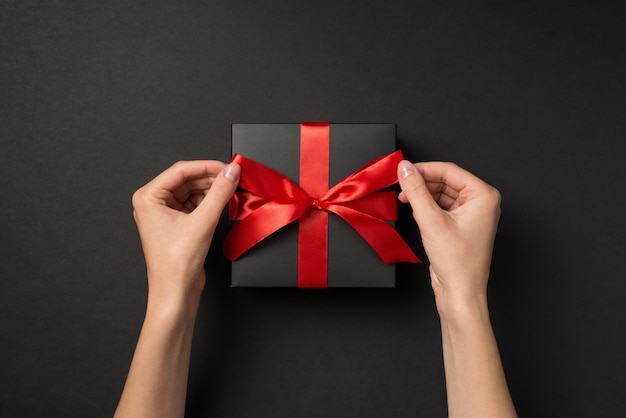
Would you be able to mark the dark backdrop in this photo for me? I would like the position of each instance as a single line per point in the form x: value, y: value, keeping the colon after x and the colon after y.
x: 96, y: 98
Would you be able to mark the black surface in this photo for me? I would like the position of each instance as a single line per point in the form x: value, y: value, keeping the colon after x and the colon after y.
x: 96, y: 98
x: 351, y: 261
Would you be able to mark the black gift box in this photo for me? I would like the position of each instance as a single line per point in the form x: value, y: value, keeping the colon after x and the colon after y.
x: 351, y: 261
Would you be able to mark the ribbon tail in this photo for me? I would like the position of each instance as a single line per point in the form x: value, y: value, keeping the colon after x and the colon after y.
x: 381, y: 236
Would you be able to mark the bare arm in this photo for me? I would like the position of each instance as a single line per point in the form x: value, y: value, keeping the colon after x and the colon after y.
x: 176, y: 214
x: 457, y: 214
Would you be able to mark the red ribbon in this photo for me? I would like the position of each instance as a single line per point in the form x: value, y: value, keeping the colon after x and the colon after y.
x: 313, y: 227
x: 273, y: 201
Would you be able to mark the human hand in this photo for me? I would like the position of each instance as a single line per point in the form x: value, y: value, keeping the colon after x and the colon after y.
x: 457, y: 214
x: 176, y: 215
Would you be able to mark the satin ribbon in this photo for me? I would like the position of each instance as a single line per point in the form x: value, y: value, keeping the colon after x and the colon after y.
x: 271, y: 201
x: 313, y: 226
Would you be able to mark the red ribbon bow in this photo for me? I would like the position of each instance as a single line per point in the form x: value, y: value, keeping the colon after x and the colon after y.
x: 274, y: 201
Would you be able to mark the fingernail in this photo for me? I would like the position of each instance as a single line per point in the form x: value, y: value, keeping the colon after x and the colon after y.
x: 405, y: 168
x: 232, y: 172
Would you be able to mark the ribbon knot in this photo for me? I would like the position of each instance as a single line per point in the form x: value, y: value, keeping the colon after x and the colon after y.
x: 319, y: 204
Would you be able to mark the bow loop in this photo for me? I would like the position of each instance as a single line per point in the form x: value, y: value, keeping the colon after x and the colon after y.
x: 373, y: 176
x: 267, y: 183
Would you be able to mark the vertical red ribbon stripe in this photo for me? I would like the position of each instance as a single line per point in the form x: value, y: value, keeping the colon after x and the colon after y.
x: 313, y: 227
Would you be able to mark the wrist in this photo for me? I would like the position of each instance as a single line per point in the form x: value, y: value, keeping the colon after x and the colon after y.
x: 172, y: 302
x: 458, y: 310
x: 173, y: 310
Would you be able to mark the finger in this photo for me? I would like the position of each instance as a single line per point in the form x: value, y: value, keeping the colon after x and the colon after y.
x: 222, y: 189
x: 183, y: 171
x: 451, y: 175
x: 193, y: 201
x: 188, y: 207
x: 193, y: 187
x: 196, y: 198
x: 436, y: 189
x: 444, y: 201
x: 201, y: 184
x: 461, y: 185
x: 417, y: 193
x: 178, y: 181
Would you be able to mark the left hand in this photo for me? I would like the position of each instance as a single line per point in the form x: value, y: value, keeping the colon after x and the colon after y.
x: 176, y: 214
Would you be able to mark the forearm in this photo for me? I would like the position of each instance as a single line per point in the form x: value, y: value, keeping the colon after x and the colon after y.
x: 157, y: 380
x: 475, y: 381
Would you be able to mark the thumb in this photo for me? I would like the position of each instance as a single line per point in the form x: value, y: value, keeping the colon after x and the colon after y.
x: 222, y: 189
x: 414, y: 187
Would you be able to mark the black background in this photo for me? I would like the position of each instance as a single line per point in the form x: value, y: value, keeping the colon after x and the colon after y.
x: 96, y: 98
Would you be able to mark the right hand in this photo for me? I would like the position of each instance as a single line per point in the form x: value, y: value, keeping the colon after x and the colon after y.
x: 457, y: 214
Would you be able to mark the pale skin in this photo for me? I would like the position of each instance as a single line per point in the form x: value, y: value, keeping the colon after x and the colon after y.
x: 176, y: 214
x: 457, y: 214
